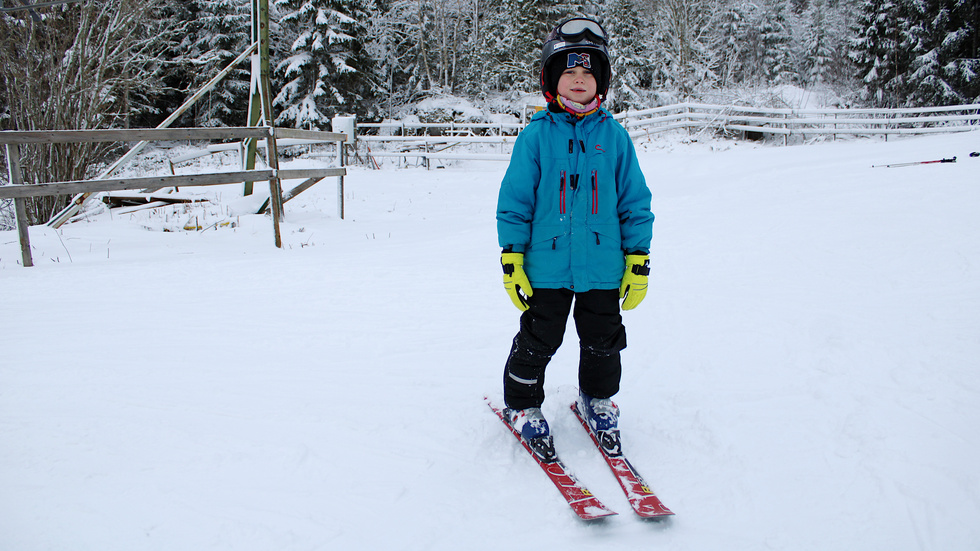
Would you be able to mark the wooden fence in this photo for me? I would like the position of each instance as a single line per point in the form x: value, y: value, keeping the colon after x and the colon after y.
x: 19, y: 192
x: 444, y: 140
x: 743, y: 121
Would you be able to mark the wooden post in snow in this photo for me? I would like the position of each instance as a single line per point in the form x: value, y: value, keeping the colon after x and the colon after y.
x: 20, y: 204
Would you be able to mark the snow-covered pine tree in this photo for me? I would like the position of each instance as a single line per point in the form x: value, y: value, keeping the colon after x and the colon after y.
x: 630, y: 60
x: 731, y: 41
x: 683, y: 60
x: 483, y: 46
x: 964, y: 67
x: 521, y: 27
x: 222, y: 30
x: 876, y: 51
x: 825, y: 32
x: 169, y: 31
x: 946, y: 68
x: 775, y: 41
x: 392, y: 48
x: 328, y: 71
x: 593, y: 9
x: 818, y: 47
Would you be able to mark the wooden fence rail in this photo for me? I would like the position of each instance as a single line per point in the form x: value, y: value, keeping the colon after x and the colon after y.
x: 692, y: 117
x: 801, y: 122
x: 19, y: 192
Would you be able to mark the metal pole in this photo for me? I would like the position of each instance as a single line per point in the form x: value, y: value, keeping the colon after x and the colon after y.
x: 340, y: 180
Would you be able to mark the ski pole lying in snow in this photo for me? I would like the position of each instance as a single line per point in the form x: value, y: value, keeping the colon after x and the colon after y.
x: 893, y: 165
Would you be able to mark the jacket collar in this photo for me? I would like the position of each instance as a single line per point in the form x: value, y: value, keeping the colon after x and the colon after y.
x: 565, y: 117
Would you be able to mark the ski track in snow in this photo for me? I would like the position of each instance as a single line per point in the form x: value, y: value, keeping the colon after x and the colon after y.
x: 802, y: 375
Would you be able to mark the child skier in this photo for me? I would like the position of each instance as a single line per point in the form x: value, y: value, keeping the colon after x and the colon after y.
x: 574, y: 221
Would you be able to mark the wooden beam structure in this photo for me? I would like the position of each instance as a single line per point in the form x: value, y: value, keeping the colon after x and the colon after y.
x: 93, y: 186
x: 132, y: 134
x: 77, y: 202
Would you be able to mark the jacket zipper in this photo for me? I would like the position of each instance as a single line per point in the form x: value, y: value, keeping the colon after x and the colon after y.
x: 595, y: 192
x: 561, y: 194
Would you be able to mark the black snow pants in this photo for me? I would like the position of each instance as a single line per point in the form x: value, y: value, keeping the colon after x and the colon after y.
x: 601, y: 338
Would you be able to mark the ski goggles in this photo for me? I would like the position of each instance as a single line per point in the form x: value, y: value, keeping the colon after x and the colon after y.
x: 575, y: 30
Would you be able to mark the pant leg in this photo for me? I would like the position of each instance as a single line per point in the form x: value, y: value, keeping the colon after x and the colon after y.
x: 542, y: 331
x: 602, y: 336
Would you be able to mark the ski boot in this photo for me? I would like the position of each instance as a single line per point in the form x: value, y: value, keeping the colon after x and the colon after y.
x: 602, y: 415
x: 533, y: 427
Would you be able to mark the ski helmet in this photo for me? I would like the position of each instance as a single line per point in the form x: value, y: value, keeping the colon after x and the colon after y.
x: 577, y: 35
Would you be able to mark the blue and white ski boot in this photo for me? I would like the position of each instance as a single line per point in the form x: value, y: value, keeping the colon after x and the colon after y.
x: 602, y: 415
x: 533, y: 427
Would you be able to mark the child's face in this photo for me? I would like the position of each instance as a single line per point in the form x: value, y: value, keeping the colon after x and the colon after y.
x: 577, y: 84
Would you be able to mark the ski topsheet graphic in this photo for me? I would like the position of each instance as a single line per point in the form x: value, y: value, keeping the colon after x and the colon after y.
x: 642, y: 499
x: 579, y: 498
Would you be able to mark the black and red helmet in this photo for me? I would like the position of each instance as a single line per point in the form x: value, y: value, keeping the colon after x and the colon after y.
x: 581, y: 36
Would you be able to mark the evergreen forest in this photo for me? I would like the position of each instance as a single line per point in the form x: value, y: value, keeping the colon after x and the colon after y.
x: 129, y: 63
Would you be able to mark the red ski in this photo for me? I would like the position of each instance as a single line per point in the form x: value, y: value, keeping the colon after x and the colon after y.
x: 579, y: 498
x: 642, y: 499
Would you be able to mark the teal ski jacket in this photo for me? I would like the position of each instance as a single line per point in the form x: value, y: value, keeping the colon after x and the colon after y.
x: 574, y: 201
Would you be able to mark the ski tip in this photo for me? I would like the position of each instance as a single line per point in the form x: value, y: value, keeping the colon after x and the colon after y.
x: 598, y: 517
x: 594, y: 512
x: 659, y: 514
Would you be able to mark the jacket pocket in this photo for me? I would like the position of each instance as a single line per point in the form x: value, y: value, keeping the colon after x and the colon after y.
x: 606, y: 260
x: 546, y: 258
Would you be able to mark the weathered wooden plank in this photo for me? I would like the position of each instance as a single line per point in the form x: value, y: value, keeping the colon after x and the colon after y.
x: 92, y: 186
x: 136, y: 208
x: 132, y: 134
x: 20, y: 204
x: 315, y: 135
x: 23, y: 231
x: 119, y: 197
x: 290, y: 194
x: 299, y: 189
x: 297, y: 173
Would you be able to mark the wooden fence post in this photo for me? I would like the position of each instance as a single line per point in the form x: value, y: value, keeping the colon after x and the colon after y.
x: 275, y: 187
x: 20, y: 204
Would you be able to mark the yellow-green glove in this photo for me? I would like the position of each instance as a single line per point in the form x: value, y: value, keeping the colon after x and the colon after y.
x: 634, y: 286
x: 515, y: 280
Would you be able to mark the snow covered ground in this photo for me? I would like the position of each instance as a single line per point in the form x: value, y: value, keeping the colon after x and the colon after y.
x: 803, y: 375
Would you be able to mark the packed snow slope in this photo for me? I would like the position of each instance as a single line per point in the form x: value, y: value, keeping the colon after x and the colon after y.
x: 803, y: 375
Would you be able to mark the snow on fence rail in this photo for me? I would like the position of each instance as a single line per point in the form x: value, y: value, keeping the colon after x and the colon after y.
x: 439, y: 139
x: 801, y: 122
